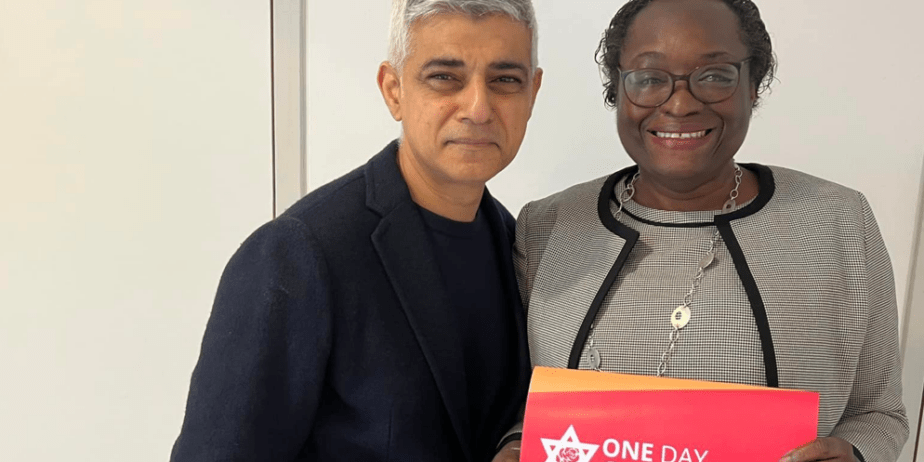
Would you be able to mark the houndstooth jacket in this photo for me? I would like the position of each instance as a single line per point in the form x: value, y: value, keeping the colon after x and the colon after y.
x: 811, y: 261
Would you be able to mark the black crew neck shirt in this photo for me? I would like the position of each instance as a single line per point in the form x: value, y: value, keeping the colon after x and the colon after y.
x: 467, y: 256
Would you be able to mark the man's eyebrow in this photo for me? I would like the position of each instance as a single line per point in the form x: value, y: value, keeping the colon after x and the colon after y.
x: 509, y: 66
x: 458, y: 63
x: 443, y: 62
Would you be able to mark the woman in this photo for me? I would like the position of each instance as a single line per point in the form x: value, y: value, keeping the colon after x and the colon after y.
x: 692, y: 266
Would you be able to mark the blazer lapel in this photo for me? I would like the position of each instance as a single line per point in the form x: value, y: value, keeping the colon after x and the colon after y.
x: 580, y: 254
x: 407, y: 256
x: 505, y: 237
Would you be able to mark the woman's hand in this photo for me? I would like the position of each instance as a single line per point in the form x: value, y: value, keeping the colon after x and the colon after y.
x: 509, y: 453
x: 828, y: 449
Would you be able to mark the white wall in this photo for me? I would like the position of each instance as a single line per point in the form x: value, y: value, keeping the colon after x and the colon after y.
x: 135, y: 156
x: 913, y: 361
x: 845, y: 106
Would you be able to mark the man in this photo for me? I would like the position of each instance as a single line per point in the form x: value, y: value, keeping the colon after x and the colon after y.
x: 378, y: 318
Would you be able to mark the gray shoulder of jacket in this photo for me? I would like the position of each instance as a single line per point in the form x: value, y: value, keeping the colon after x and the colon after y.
x: 580, y: 194
x: 802, y: 186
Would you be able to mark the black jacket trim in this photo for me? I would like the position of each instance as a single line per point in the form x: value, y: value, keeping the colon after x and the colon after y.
x: 858, y: 454
x: 767, y: 188
x: 765, y: 184
x: 723, y: 223
x: 757, y: 303
x: 631, y: 237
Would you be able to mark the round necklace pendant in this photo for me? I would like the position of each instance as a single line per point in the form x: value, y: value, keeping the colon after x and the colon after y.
x: 595, y: 359
x: 681, y: 317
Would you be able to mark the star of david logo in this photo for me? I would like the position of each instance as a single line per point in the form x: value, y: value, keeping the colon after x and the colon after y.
x: 568, y: 448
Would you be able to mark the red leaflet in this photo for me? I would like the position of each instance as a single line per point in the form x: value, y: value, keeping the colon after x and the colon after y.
x: 586, y: 416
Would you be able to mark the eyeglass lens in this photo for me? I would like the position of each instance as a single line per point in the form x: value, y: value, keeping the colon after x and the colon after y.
x: 709, y: 84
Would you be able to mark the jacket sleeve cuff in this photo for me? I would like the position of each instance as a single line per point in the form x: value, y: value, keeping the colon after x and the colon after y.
x: 519, y: 436
x: 858, y: 454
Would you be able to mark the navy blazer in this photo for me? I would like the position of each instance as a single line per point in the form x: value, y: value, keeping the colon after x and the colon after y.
x: 331, y: 337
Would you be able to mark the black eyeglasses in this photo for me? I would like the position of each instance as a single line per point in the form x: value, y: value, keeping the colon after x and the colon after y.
x: 712, y: 83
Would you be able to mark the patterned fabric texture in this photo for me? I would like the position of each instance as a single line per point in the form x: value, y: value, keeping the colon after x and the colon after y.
x: 811, y: 250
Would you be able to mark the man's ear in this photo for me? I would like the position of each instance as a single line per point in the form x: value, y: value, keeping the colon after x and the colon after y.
x: 537, y: 82
x: 390, y: 86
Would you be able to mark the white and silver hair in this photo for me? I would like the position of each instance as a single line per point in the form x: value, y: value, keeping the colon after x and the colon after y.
x: 404, y: 13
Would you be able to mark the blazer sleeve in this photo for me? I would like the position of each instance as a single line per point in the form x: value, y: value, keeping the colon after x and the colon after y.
x: 521, y: 263
x: 525, y: 269
x: 874, y: 420
x: 521, y: 266
x: 256, y: 387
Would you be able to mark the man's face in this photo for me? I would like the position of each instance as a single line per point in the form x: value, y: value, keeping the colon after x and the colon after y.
x: 463, y: 97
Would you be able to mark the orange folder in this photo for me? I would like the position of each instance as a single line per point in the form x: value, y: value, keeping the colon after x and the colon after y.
x: 587, y: 416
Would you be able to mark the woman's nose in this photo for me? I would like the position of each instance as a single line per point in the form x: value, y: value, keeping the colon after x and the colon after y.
x: 682, y: 102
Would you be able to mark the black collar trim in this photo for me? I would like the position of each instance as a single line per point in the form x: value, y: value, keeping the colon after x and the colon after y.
x: 766, y: 189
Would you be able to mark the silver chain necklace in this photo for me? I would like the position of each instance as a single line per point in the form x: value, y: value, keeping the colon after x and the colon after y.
x: 681, y: 315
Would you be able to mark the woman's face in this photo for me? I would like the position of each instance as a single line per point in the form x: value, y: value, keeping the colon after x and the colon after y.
x: 678, y: 36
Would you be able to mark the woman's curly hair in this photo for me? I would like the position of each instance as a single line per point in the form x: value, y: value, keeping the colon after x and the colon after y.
x: 753, y: 33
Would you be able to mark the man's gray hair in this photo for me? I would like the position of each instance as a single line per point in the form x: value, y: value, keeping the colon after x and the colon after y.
x: 404, y: 13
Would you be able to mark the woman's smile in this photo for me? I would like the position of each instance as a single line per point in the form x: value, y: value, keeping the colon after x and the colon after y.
x: 681, y: 141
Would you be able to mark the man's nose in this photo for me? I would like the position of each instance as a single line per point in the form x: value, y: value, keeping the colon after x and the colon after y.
x: 475, y: 104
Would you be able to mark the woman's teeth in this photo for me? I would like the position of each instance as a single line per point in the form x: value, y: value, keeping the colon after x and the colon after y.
x: 699, y: 134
